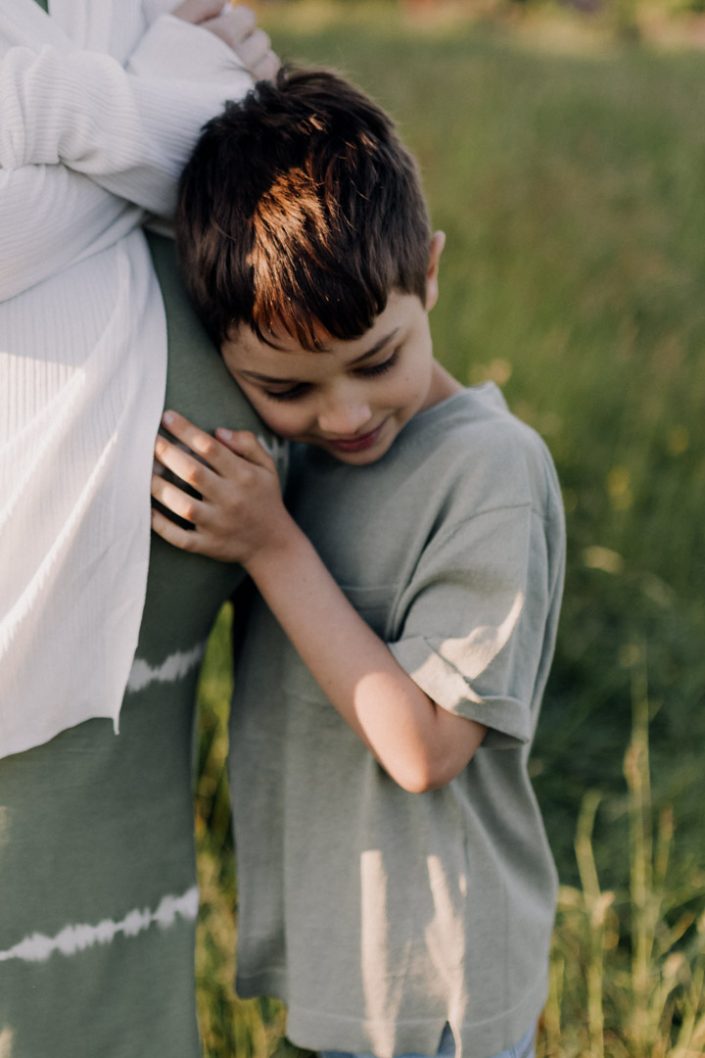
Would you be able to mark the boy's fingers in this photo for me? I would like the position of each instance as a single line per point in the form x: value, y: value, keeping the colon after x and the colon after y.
x: 186, y: 539
x: 177, y: 501
x: 200, y: 442
x: 244, y: 443
x: 185, y: 466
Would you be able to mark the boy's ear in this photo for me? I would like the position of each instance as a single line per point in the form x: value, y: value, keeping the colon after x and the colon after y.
x: 438, y: 241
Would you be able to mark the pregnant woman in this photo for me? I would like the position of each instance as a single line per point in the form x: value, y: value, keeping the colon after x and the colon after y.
x: 100, y: 102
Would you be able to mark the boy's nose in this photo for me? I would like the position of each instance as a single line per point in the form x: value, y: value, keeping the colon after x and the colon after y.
x: 344, y: 418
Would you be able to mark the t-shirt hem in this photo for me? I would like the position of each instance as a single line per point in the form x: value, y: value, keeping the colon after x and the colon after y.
x: 319, y: 1030
x: 270, y: 982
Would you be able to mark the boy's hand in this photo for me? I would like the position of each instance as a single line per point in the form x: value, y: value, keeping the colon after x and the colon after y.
x: 240, y: 513
x: 235, y: 25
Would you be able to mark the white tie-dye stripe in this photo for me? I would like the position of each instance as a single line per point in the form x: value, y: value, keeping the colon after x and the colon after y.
x: 175, y: 667
x: 38, y: 947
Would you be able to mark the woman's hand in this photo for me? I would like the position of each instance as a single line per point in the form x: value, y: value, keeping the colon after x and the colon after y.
x: 240, y: 513
x: 236, y: 25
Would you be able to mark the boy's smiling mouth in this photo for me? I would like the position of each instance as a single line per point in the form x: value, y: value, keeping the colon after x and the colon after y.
x: 356, y: 443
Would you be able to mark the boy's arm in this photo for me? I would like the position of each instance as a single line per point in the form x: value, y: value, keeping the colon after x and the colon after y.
x: 420, y: 745
x: 241, y: 518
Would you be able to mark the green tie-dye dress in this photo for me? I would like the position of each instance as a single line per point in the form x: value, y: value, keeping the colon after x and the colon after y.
x: 97, y: 876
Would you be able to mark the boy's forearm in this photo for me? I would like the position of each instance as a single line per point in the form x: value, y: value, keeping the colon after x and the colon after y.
x: 420, y: 745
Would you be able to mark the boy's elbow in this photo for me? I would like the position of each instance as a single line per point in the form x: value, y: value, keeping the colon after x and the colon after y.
x: 435, y: 762
x: 423, y: 784
x: 425, y: 775
x: 413, y: 782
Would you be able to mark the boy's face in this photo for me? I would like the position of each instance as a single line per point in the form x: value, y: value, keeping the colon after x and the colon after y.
x: 350, y: 398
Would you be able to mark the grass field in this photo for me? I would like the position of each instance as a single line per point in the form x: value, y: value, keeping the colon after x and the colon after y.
x: 571, y: 190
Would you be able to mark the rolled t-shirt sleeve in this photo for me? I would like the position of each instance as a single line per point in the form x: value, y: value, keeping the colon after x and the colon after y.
x: 474, y: 620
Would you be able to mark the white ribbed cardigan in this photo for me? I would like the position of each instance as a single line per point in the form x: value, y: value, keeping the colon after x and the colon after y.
x: 99, y: 106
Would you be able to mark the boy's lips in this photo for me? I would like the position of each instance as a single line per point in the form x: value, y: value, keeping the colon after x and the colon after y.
x: 358, y: 442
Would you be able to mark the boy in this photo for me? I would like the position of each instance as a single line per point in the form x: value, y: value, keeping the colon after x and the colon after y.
x: 396, y: 888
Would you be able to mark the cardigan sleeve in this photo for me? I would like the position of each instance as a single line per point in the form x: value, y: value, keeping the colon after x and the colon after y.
x: 129, y: 130
x: 50, y: 218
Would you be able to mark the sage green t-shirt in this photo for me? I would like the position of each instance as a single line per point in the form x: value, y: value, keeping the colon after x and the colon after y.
x: 376, y: 914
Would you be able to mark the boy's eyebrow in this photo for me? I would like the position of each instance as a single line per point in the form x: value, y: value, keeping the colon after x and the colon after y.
x: 380, y: 344
x: 375, y: 348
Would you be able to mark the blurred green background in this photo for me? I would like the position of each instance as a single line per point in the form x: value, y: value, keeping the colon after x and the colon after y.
x: 566, y: 163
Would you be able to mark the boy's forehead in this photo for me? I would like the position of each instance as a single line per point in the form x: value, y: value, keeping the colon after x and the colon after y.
x: 274, y: 351
x: 279, y: 346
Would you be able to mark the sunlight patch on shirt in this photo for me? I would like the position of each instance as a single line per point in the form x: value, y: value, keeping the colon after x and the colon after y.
x: 38, y: 947
x: 473, y: 654
x: 382, y: 983
x: 174, y: 668
x: 445, y: 940
x: 6, y: 1043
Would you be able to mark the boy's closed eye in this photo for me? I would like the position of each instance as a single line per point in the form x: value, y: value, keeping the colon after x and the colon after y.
x: 378, y: 369
x: 292, y: 393
x: 299, y: 389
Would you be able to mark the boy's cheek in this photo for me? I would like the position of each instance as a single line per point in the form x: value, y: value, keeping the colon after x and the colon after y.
x: 280, y: 424
x: 280, y: 419
x: 256, y: 398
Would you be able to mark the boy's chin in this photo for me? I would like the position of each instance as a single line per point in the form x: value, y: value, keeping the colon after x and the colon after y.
x: 359, y: 459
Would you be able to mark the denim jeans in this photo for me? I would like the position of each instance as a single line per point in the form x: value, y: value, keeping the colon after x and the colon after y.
x: 523, y: 1049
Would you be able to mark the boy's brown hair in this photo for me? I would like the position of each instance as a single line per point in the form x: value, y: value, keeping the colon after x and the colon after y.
x: 299, y: 206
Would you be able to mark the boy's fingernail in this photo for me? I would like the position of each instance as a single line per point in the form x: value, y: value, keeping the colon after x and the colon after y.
x: 168, y: 418
x: 226, y: 435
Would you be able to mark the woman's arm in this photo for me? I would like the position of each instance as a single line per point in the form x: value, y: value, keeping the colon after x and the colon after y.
x: 82, y: 110
x: 50, y: 215
x: 241, y: 518
x: 237, y: 27
x: 50, y: 218
x: 130, y: 130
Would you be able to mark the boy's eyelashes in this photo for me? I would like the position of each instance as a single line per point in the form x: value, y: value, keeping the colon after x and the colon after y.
x: 288, y: 394
x: 299, y: 389
x: 379, y: 369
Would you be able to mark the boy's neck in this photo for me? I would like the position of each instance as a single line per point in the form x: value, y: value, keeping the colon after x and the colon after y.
x: 443, y: 385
